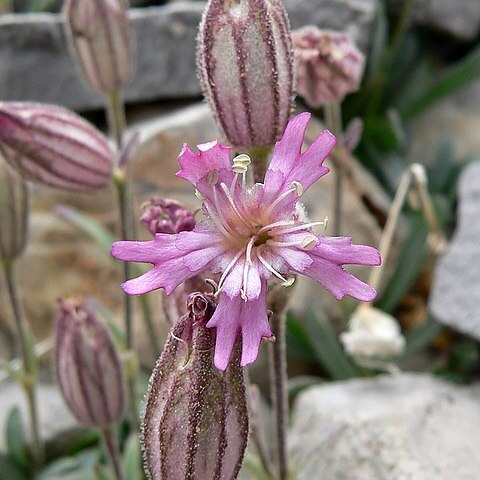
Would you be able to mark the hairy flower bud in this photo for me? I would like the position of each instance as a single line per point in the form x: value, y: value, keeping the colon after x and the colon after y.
x: 99, y: 38
x: 245, y: 64
x: 196, y: 418
x: 88, y: 365
x: 163, y: 215
x: 373, y: 334
x: 54, y: 146
x: 14, y: 207
x: 329, y: 65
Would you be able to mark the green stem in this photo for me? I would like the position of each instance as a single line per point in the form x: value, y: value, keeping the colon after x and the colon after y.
x: 111, y: 446
x: 121, y: 186
x: 152, y: 333
x: 29, y: 362
x: 333, y: 119
x: 259, y: 156
x: 116, y: 117
x: 278, y: 376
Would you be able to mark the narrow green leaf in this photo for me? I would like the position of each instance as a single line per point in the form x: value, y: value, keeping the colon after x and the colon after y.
x: 458, y: 76
x: 327, y: 348
x: 408, y: 266
x: 132, y: 460
x: 298, y: 343
x: 88, y: 225
x: 378, y: 43
x: 10, y: 470
x: 15, y: 438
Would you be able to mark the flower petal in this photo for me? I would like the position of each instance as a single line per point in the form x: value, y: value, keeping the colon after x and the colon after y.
x: 212, y: 156
x: 234, y: 315
x: 234, y: 280
x: 338, y: 281
x: 288, y: 164
x: 341, y: 251
x: 153, y: 251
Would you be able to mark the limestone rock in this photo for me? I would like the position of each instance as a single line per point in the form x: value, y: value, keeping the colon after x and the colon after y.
x: 454, y: 298
x: 34, y: 54
x: 460, y: 18
x: 401, y: 427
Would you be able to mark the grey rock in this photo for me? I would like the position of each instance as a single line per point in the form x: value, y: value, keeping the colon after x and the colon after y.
x: 460, y: 18
x: 402, y: 427
x: 456, y: 290
x: 353, y: 16
x: 35, y: 63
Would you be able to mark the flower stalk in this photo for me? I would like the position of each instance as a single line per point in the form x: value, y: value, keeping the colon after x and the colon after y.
x: 333, y: 120
x: 29, y: 377
x: 111, y: 447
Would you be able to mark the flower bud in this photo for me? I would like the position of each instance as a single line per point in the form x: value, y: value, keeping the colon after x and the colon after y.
x: 162, y: 215
x: 88, y: 365
x: 329, y: 65
x: 245, y: 65
x: 54, y: 146
x: 99, y: 38
x: 14, y: 208
x: 196, y: 417
x: 373, y: 334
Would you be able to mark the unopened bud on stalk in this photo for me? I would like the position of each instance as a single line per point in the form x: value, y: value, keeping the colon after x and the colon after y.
x: 14, y: 207
x: 329, y: 65
x: 245, y: 64
x: 210, y: 438
x: 99, y: 38
x: 163, y: 215
x: 54, y: 146
x: 88, y: 365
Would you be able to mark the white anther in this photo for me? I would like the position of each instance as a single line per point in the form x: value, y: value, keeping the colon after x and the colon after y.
x: 199, y: 195
x: 298, y: 188
x: 309, y: 242
x: 212, y: 178
x: 289, y: 282
x: 241, y: 163
x: 325, y: 222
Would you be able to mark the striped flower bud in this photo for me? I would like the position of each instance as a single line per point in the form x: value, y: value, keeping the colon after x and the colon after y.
x: 14, y: 207
x: 246, y: 69
x: 99, y: 39
x: 329, y: 65
x: 54, y: 146
x: 88, y: 365
x: 196, y: 419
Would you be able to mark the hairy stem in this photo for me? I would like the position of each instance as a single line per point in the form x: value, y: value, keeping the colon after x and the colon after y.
x: 333, y: 119
x: 29, y: 362
x: 111, y: 446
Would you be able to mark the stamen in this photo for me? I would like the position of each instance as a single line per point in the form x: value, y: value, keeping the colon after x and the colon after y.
x: 218, y: 222
x: 241, y: 163
x: 212, y: 178
x: 199, y: 195
x: 235, y: 209
x: 281, y: 223
x: 246, y: 267
x: 220, y: 211
x: 228, y: 269
x: 301, y: 227
x: 307, y: 243
x: 285, y: 282
x: 296, y: 188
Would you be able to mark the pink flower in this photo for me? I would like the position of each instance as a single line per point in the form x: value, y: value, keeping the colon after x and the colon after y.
x: 250, y: 236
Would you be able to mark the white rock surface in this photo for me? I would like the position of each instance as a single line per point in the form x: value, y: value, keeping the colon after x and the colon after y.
x: 403, y: 427
x: 456, y: 290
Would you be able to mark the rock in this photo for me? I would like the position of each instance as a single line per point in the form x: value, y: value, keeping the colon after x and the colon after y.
x: 399, y: 427
x: 55, y: 418
x: 460, y: 18
x: 456, y: 289
x: 34, y: 54
x: 353, y: 16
